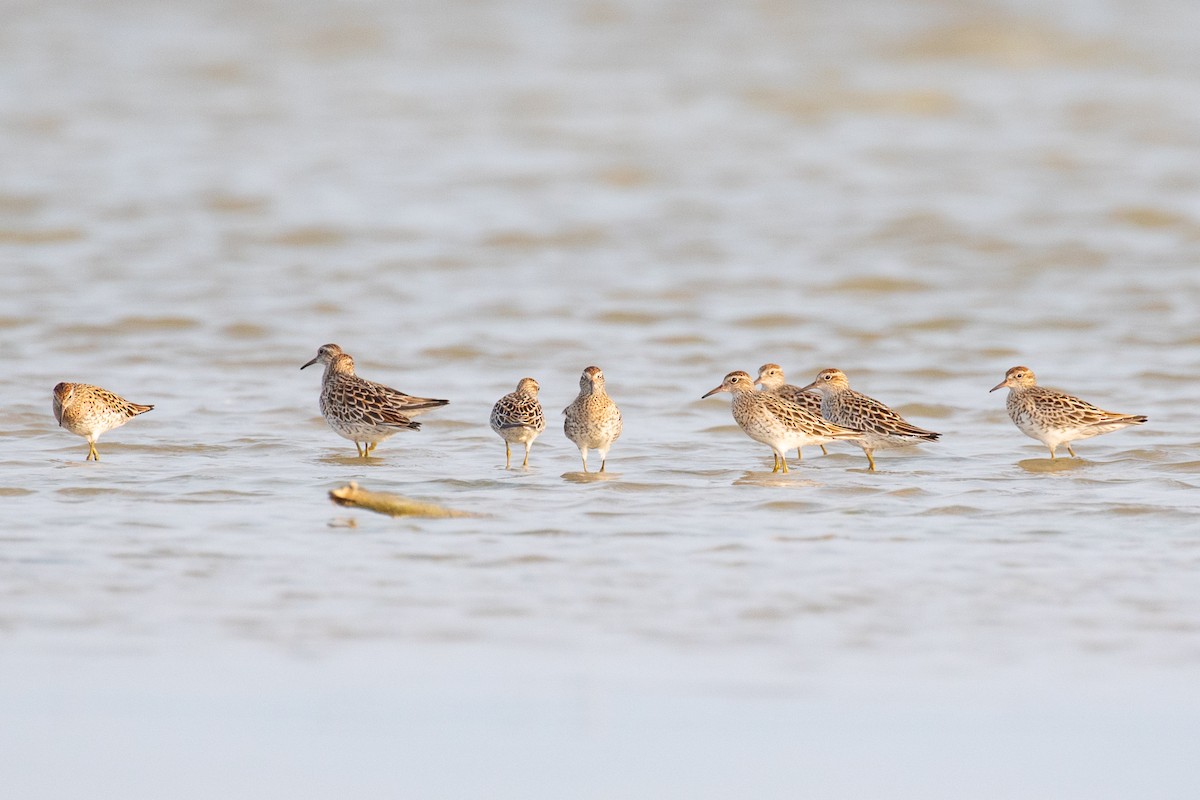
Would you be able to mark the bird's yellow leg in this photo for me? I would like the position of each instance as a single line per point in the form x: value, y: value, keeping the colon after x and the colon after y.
x: 799, y: 455
x: 525, y: 463
x: 358, y: 449
x: 783, y: 463
x: 870, y: 459
x: 603, y: 461
x: 824, y: 452
x: 92, y: 455
x: 371, y: 447
x: 1072, y: 452
x: 507, y: 455
x: 775, y: 466
x: 1051, y: 453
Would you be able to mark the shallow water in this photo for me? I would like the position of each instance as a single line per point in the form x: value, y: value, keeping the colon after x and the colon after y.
x: 195, y: 197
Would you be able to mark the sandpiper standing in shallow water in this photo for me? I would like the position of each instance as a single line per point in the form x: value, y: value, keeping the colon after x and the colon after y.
x: 362, y: 410
x: 882, y: 427
x: 779, y: 424
x: 518, y: 418
x: 1053, y: 417
x: 89, y: 411
x: 771, y: 379
x: 593, y: 420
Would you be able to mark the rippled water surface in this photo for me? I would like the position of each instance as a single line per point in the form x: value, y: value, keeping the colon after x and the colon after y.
x: 195, y: 196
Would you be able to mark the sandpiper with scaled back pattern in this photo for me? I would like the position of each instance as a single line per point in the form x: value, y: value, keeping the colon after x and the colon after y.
x: 89, y: 411
x: 882, y: 428
x: 1056, y: 418
x: 593, y: 420
x: 361, y: 410
x: 518, y: 419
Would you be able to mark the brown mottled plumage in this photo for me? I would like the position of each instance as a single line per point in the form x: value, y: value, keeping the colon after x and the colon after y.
x: 361, y: 410
x: 89, y: 411
x: 882, y: 427
x: 772, y: 380
x: 1053, y: 417
x: 593, y: 420
x: 518, y: 417
x: 780, y: 424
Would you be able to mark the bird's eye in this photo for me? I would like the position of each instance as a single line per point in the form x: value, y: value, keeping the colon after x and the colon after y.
x: 828, y: 377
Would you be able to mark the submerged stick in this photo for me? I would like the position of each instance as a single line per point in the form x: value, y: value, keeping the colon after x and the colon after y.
x: 391, y: 504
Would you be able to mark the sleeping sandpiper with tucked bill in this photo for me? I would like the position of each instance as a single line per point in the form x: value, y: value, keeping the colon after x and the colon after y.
x: 772, y: 380
x: 882, y: 427
x: 593, y: 420
x: 1053, y: 417
x: 361, y: 410
x: 89, y: 411
x: 779, y: 424
x: 518, y: 419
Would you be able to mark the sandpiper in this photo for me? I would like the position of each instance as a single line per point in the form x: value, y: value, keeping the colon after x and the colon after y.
x: 518, y: 417
x: 89, y: 411
x: 771, y: 379
x: 593, y: 420
x: 361, y: 410
x: 1053, y: 417
x: 882, y: 427
x: 780, y: 424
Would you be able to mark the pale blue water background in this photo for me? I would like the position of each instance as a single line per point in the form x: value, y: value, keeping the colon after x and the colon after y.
x: 196, y: 196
